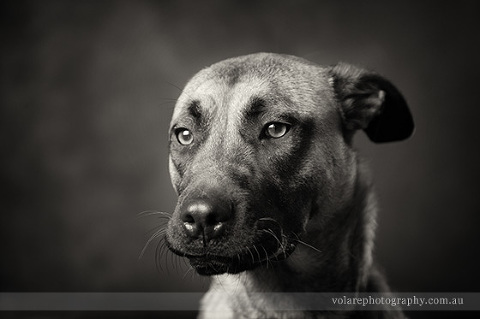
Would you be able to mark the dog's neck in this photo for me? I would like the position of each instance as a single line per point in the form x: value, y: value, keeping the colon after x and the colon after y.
x: 335, y: 257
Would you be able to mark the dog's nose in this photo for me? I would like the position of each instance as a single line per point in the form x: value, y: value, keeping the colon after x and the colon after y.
x: 204, y: 218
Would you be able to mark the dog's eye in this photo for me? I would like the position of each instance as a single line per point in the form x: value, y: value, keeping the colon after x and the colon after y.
x: 276, y: 129
x: 184, y: 136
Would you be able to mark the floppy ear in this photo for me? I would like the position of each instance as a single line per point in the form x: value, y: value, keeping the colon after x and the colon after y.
x: 370, y: 102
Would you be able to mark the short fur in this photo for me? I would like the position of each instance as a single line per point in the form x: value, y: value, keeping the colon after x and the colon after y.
x: 287, y: 213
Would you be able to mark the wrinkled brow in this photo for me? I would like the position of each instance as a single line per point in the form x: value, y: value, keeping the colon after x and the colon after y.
x: 255, y: 107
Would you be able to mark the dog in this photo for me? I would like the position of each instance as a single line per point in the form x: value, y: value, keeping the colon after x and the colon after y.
x: 272, y: 196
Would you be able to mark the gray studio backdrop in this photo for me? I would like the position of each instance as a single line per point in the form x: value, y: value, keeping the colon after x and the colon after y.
x: 88, y: 87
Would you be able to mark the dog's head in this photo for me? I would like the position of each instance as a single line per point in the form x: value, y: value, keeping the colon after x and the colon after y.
x: 260, y: 146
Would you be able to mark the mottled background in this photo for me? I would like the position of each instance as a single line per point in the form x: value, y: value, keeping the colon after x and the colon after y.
x: 88, y: 87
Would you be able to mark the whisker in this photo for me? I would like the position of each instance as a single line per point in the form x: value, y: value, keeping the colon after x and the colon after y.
x: 309, y: 246
x: 187, y: 265
x: 250, y: 252
x: 153, y: 212
x: 178, y: 263
x: 280, y: 243
x: 268, y: 219
x: 267, y: 258
x: 154, y: 229
x: 215, y: 269
x: 306, y: 244
x: 167, y: 258
x: 159, y: 251
x: 157, y: 234
x: 189, y: 271
x: 172, y: 262
x: 175, y: 86
x: 258, y: 254
x: 193, y: 274
x: 167, y: 100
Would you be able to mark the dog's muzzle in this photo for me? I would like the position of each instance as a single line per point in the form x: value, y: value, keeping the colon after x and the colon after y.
x: 217, y: 238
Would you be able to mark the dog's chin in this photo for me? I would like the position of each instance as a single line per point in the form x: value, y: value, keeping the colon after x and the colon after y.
x: 210, y: 267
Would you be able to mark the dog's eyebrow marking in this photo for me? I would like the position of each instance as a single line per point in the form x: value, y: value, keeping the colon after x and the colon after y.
x: 194, y: 109
x: 256, y: 106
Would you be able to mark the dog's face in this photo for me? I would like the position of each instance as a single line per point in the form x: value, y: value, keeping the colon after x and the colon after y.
x: 259, y: 147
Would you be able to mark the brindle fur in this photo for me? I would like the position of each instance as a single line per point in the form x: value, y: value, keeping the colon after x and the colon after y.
x: 289, y: 214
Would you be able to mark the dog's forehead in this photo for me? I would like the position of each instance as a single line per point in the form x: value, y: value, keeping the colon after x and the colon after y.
x: 211, y: 93
x: 278, y: 80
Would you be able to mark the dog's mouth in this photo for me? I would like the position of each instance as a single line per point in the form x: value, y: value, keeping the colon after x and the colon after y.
x: 267, y: 250
x: 250, y: 258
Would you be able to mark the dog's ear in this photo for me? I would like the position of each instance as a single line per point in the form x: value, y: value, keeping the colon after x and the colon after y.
x: 370, y: 102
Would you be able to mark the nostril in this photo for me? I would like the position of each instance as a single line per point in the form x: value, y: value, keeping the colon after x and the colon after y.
x: 188, y: 218
x: 211, y: 219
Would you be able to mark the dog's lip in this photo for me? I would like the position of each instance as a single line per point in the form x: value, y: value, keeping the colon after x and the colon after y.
x: 204, y: 256
x: 209, y: 257
x: 281, y: 253
x: 278, y: 255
